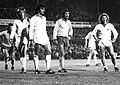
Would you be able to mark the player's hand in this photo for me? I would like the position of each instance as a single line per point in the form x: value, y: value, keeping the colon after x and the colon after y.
x: 113, y: 40
x: 69, y: 37
x: 11, y: 41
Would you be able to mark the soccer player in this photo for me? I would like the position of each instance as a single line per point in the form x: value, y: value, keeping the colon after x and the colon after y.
x: 103, y: 32
x: 19, y: 25
x: 6, y: 45
x: 90, y: 44
x: 62, y: 34
x: 38, y: 35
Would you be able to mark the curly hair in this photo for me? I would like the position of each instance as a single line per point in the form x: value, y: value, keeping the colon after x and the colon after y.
x: 100, y: 17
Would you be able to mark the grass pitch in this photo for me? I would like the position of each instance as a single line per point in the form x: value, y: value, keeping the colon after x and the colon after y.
x: 78, y: 74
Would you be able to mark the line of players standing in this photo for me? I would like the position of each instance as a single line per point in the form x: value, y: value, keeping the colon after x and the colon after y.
x: 33, y: 31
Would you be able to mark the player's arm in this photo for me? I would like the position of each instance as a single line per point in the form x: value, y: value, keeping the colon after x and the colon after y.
x: 13, y: 31
x: 55, y: 32
x: 115, y: 33
x: 70, y: 33
x: 2, y: 33
x: 31, y: 30
x: 86, y: 41
x: 94, y: 33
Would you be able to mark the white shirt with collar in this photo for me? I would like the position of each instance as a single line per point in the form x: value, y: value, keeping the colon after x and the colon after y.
x: 62, y: 28
x: 38, y: 30
x: 105, y: 33
x: 17, y: 28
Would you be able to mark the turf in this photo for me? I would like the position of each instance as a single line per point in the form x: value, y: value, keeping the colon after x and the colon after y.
x: 78, y: 74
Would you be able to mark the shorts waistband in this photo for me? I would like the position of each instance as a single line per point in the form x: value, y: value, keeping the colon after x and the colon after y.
x: 62, y: 36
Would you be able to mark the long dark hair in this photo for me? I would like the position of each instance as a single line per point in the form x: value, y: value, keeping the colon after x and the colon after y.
x: 63, y: 14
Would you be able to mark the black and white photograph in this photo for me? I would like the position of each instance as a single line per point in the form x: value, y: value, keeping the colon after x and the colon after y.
x: 59, y: 42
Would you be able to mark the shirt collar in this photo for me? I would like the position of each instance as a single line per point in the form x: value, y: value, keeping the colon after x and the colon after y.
x: 38, y: 15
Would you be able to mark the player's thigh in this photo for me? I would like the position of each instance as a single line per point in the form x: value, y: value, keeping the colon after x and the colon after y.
x: 47, y: 48
x: 61, y: 49
x: 66, y: 42
x: 37, y: 49
x: 102, y: 51
x: 5, y: 52
x: 110, y: 50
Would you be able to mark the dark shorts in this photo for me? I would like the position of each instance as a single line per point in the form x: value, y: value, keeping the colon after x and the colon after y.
x: 42, y: 49
x: 63, y: 41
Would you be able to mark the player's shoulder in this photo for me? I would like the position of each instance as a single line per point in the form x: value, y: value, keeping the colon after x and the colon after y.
x: 59, y: 20
x: 90, y: 32
x: 16, y: 21
x: 99, y: 25
x: 33, y: 17
x: 44, y: 17
x: 69, y: 21
x: 110, y: 24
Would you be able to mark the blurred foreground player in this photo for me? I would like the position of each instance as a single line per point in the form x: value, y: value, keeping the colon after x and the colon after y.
x: 19, y: 26
x: 90, y: 44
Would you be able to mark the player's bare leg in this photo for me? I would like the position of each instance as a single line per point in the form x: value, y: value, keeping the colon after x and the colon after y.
x: 48, y: 59
x: 23, y: 59
x: 89, y: 59
x: 36, y: 61
x: 103, y: 60
x: 95, y: 58
x: 6, y: 57
x: 61, y: 59
x: 113, y: 57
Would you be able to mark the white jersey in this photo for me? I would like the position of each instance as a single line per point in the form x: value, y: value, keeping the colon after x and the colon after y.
x: 18, y: 26
x: 38, y: 30
x: 91, y: 42
x: 105, y: 33
x: 62, y: 28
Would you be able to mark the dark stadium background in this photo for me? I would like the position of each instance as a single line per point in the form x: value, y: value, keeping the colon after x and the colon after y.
x: 80, y: 10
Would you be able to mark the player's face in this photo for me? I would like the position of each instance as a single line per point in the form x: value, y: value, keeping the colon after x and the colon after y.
x: 42, y: 11
x: 22, y: 14
x: 66, y: 15
x: 104, y: 19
